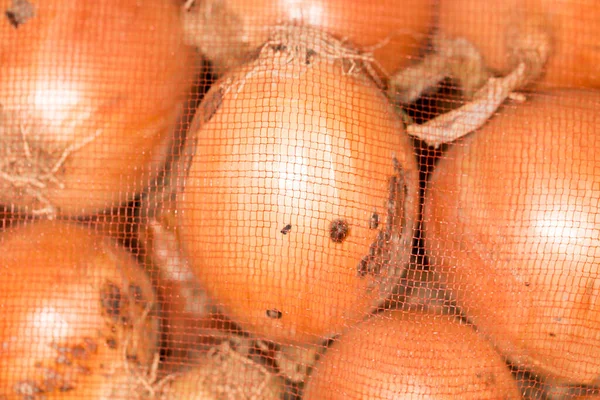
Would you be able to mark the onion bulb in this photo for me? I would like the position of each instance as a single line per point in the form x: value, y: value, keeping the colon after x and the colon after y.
x: 301, y: 198
x: 78, y: 318
x: 227, y: 32
x: 90, y: 95
x: 403, y: 355
x: 511, y: 224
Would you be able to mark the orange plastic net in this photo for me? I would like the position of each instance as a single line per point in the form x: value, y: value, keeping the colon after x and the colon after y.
x: 307, y: 199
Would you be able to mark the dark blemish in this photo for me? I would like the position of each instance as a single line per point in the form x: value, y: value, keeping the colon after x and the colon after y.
x: 27, y: 389
x: 110, y: 298
x: 210, y: 104
x: 378, y: 258
x: 552, y: 334
x: 338, y: 230
x: 363, y: 267
x: 374, y: 221
x: 309, y: 56
x: 274, y: 313
x: 398, y: 192
x: 527, y: 283
x: 133, y: 358
x: 286, y: 229
x: 383, y: 239
x: 278, y: 47
x: 111, y: 343
x: 391, y: 211
x: 488, y: 378
x: 396, y: 203
x: 136, y: 293
x: 20, y: 12
x: 125, y: 321
x: 79, y: 352
x: 396, y: 163
x: 379, y: 244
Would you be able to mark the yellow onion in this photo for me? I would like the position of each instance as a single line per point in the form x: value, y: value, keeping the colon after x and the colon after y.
x: 402, y: 355
x: 511, y: 223
x: 90, y: 94
x: 78, y: 315
x: 301, y: 198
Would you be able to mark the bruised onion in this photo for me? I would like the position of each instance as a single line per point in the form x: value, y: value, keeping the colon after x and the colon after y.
x: 511, y: 223
x: 403, y: 355
x: 78, y: 316
x: 299, y: 206
x: 90, y: 94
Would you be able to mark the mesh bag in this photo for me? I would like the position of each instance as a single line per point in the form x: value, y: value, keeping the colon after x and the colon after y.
x: 320, y: 199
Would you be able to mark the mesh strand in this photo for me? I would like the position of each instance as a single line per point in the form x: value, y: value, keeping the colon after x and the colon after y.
x: 224, y: 199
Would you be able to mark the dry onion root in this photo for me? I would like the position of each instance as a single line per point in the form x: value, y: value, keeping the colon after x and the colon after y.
x: 558, y: 36
x: 525, y: 35
x: 90, y: 96
x: 79, y: 318
x: 224, y: 374
x: 229, y: 32
x: 301, y: 198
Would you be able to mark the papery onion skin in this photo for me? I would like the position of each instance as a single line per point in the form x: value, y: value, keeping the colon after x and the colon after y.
x: 496, y: 27
x: 227, y: 32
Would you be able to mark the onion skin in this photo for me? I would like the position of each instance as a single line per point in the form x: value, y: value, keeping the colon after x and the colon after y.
x: 71, y: 301
x: 114, y: 73
x: 225, y: 374
x: 408, y: 355
x: 292, y: 149
x: 226, y: 31
x: 495, y: 28
x: 510, y: 220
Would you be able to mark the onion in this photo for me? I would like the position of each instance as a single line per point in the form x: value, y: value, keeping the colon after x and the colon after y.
x: 507, y: 32
x: 511, y: 223
x: 186, y: 309
x: 227, y: 31
x: 409, y: 355
x: 78, y: 316
x: 225, y: 374
x: 301, y: 199
x: 91, y: 92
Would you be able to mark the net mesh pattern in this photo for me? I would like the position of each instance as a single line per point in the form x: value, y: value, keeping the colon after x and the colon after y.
x: 317, y: 199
